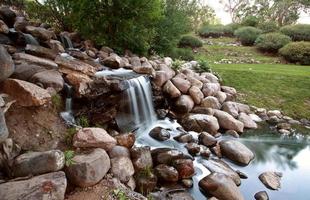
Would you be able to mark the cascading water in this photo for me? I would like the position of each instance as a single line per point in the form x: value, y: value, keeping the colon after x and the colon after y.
x: 67, y: 114
x: 66, y: 41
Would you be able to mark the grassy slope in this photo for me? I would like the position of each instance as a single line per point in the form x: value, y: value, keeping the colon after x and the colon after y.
x: 273, y: 86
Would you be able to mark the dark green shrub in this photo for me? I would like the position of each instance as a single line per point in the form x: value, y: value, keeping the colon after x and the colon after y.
x: 250, y: 21
x: 247, y: 35
x: 297, y: 52
x: 298, y: 32
x: 268, y: 27
x: 182, y: 54
x: 203, y: 66
x: 272, y: 42
x: 190, y: 41
x: 216, y: 31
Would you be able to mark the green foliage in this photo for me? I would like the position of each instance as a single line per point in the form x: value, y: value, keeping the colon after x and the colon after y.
x: 216, y: 31
x: 268, y: 27
x: 297, y: 32
x: 69, y: 155
x: 69, y: 135
x: 233, y: 27
x: 203, y: 66
x: 182, y: 54
x: 83, y: 121
x: 190, y: 41
x: 57, y: 101
x: 120, y: 194
x: 297, y: 52
x: 272, y: 42
x: 247, y: 35
x: 146, y: 172
x: 176, y: 65
x: 250, y: 21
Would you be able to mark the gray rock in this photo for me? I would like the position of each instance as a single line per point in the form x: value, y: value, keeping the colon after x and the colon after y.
x: 271, y: 180
x: 262, y: 195
x: 236, y: 151
x: 228, y: 122
x: 200, y: 122
x: 160, y: 133
x: 7, y: 65
x: 48, y: 78
x: 210, y: 89
x: 48, y: 186
x: 40, y: 51
x: 207, y: 139
x: 122, y: 168
x: 247, y: 121
x: 231, y: 108
x: 4, y: 133
x: 184, y: 138
x: 119, y: 151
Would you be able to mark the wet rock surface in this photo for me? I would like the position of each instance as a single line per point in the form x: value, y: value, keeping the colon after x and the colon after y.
x: 160, y: 134
x: 271, y: 180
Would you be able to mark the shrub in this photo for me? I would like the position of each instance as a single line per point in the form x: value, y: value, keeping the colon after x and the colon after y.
x: 83, y: 121
x: 272, y: 42
x: 233, y: 27
x: 203, y: 66
x: 182, y: 54
x: 250, y: 21
x: 190, y: 41
x: 297, y: 32
x: 268, y: 27
x: 247, y: 35
x: 297, y: 52
x: 216, y: 31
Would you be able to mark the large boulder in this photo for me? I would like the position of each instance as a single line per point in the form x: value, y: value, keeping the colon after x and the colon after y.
x: 159, y: 133
x: 247, y: 121
x: 207, y: 139
x: 200, y: 122
x: 119, y: 151
x: 48, y: 78
x: 24, y: 71
x: 185, y: 168
x: 80, y: 82
x: 7, y: 66
x: 113, y: 61
x: 271, y: 180
x: 170, y: 72
x: 228, y: 122
x: 40, y: 33
x: 166, y: 173
x: 122, y: 168
x: 40, y: 51
x: 46, y: 63
x: 194, y: 81
x: 184, y: 104
x: 220, y: 186
x: 93, y: 137
x: 145, y: 70
x: 26, y: 94
x: 236, y: 151
x: 182, y: 84
x: 210, y: 89
x: 35, y: 163
x: 196, y: 94
x: 160, y: 78
x: 211, y: 77
x: 47, y: 186
x: 141, y: 158
x: 171, y: 90
x: 7, y: 15
x: 231, y: 108
x: 229, y: 90
x: 68, y: 66
x: 221, y: 96
x: 210, y: 102
x: 88, y: 169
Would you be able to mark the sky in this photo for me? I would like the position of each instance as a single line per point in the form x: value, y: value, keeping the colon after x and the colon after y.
x: 225, y: 17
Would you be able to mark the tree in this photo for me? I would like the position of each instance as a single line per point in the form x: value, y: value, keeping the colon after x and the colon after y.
x: 232, y: 6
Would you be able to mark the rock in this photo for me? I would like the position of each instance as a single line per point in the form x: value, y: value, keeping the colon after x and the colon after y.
x: 206, y: 153
x: 255, y: 117
x: 93, y: 137
x: 113, y: 61
x: 126, y: 140
x: 247, y: 121
x: 171, y: 90
x: 20, y: 24
x: 284, y: 131
x: 219, y: 166
x: 7, y: 15
x: 216, y: 150
x: 221, y: 187
x: 160, y: 78
x: 273, y: 120
x: 80, y: 82
x: 188, y: 183
x: 243, y: 108
x: 40, y: 51
x: 221, y: 96
x: 26, y: 94
x: 40, y: 33
x: 141, y: 158
x: 160, y: 133
x: 36, y: 163
x: 210, y: 102
x: 4, y: 132
x: 182, y: 84
x: 3, y: 27
x: 236, y: 151
x: 262, y: 195
x: 230, y: 90
x: 200, y: 122
x: 46, y: 63
x: 166, y: 173
x: 285, y: 126
x: 194, y: 82
x: 276, y: 113
x: 119, y: 151
x: 135, y: 61
x: 7, y: 65
x: 226, y: 121
x: 48, y: 78
x: 203, y: 110
x: 47, y: 186
x: 145, y: 182
x: 145, y: 70
x: 192, y: 148
x: 196, y: 94
x: 241, y: 174
x: 185, y: 168
x: 207, y: 139
x: 166, y: 155
x: 231, y: 108
x: 56, y: 46
x: 122, y: 168
x: 184, y: 104
x: 211, y: 77
x: 232, y: 133
x: 210, y: 89
x: 184, y: 138
x: 88, y: 169
x: 271, y: 180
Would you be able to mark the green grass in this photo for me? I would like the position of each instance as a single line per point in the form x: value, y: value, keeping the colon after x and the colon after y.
x: 272, y: 86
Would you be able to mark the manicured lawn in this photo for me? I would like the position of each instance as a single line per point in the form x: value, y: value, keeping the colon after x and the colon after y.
x: 273, y: 86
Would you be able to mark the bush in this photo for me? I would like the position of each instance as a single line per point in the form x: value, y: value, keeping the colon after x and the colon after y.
x: 268, y: 27
x: 297, y: 52
x: 190, y: 41
x: 182, y: 54
x: 216, y: 31
x: 250, y: 21
x: 247, y: 35
x: 272, y: 42
x: 298, y: 32
x: 203, y: 66
x: 233, y: 27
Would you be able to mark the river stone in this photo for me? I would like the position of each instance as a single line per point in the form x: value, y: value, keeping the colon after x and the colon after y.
x: 200, y: 122
x: 196, y: 94
x: 193, y: 148
x: 184, y: 104
x: 48, y: 78
x: 210, y: 89
x: 167, y: 155
x: 7, y: 15
x: 185, y: 168
x: 35, y: 163
x: 271, y: 180
x: 219, y: 166
x: 126, y: 140
x: 141, y: 158
x: 48, y: 186
x: 255, y: 117
x: 221, y: 187
x: 145, y: 70
x: 160, y: 78
x: 171, y: 90
x: 262, y: 195
x: 93, y: 137
x: 119, y: 151
x: 207, y: 139
x: 166, y: 173
x: 231, y: 108
x: 182, y: 84
x: 236, y: 151
x: 228, y: 122
x: 247, y: 121
x: 160, y: 133
x: 216, y: 150
x: 7, y: 66
x: 276, y: 113
x: 211, y: 77
x: 194, y: 82
x: 122, y: 168
x: 88, y: 169
x: 184, y: 138
x: 229, y: 90
x: 205, y: 153
x: 26, y: 94
x: 40, y: 33
x: 203, y: 110
x: 221, y: 96
x: 232, y: 133
x: 210, y: 102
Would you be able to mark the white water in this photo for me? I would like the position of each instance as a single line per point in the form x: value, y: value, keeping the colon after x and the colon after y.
x: 66, y: 41
x: 67, y: 114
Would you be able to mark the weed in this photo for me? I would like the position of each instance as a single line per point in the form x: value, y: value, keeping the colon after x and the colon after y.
x: 83, y: 121
x: 176, y: 65
x: 120, y: 194
x: 69, y: 154
x: 69, y: 135
x: 57, y: 101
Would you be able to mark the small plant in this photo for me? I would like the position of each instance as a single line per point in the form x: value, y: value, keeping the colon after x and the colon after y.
x: 272, y: 42
x: 120, y: 194
x: 57, y: 101
x: 297, y: 52
x: 69, y: 135
x: 146, y: 172
x: 203, y: 66
x: 190, y: 41
x: 83, y: 121
x: 176, y: 65
x: 69, y: 155
x: 247, y: 35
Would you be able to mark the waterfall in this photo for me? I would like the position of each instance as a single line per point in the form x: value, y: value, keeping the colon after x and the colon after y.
x: 66, y: 42
x: 30, y: 39
x: 67, y: 114
x: 136, y: 109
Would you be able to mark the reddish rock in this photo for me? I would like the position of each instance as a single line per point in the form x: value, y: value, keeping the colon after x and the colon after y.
x: 126, y: 140
x: 185, y: 168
